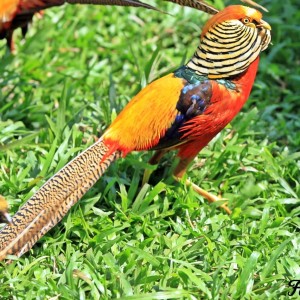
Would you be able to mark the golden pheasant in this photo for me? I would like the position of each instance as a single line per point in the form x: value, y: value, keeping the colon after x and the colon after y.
x: 4, y: 215
x: 19, y: 13
x: 182, y: 111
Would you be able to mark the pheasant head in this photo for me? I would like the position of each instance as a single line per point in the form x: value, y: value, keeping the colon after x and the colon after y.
x: 230, y: 41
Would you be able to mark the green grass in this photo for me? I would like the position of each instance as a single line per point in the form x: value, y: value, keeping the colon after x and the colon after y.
x: 74, y: 72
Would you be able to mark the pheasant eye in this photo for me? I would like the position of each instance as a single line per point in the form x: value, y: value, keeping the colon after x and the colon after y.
x: 246, y: 20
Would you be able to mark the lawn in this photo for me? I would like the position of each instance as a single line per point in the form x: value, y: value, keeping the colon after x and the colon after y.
x: 75, y: 71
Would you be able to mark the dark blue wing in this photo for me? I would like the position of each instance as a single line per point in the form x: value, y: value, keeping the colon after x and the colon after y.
x: 194, y: 99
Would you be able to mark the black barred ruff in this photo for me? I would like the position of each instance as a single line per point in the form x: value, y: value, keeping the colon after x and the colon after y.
x: 228, y: 49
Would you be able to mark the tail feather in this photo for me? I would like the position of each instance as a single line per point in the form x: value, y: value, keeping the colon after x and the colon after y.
x: 54, y: 199
x: 135, y: 3
x: 38, y: 5
x: 197, y: 4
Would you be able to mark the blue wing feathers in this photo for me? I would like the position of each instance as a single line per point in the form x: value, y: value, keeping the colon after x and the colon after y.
x: 194, y: 99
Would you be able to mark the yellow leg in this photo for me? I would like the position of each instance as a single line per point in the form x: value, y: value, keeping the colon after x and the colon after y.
x: 210, y: 197
x: 178, y: 174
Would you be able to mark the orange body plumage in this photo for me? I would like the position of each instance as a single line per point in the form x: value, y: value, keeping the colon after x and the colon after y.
x: 16, y: 14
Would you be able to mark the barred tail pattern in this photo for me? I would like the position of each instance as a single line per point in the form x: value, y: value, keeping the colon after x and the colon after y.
x: 54, y: 199
x: 135, y: 3
x: 197, y: 4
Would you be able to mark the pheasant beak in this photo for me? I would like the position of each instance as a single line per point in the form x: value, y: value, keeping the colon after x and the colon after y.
x: 265, y: 33
x: 264, y: 24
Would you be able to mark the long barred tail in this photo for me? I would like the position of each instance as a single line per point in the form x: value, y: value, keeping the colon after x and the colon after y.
x: 43, y: 4
x: 197, y: 4
x: 54, y: 199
